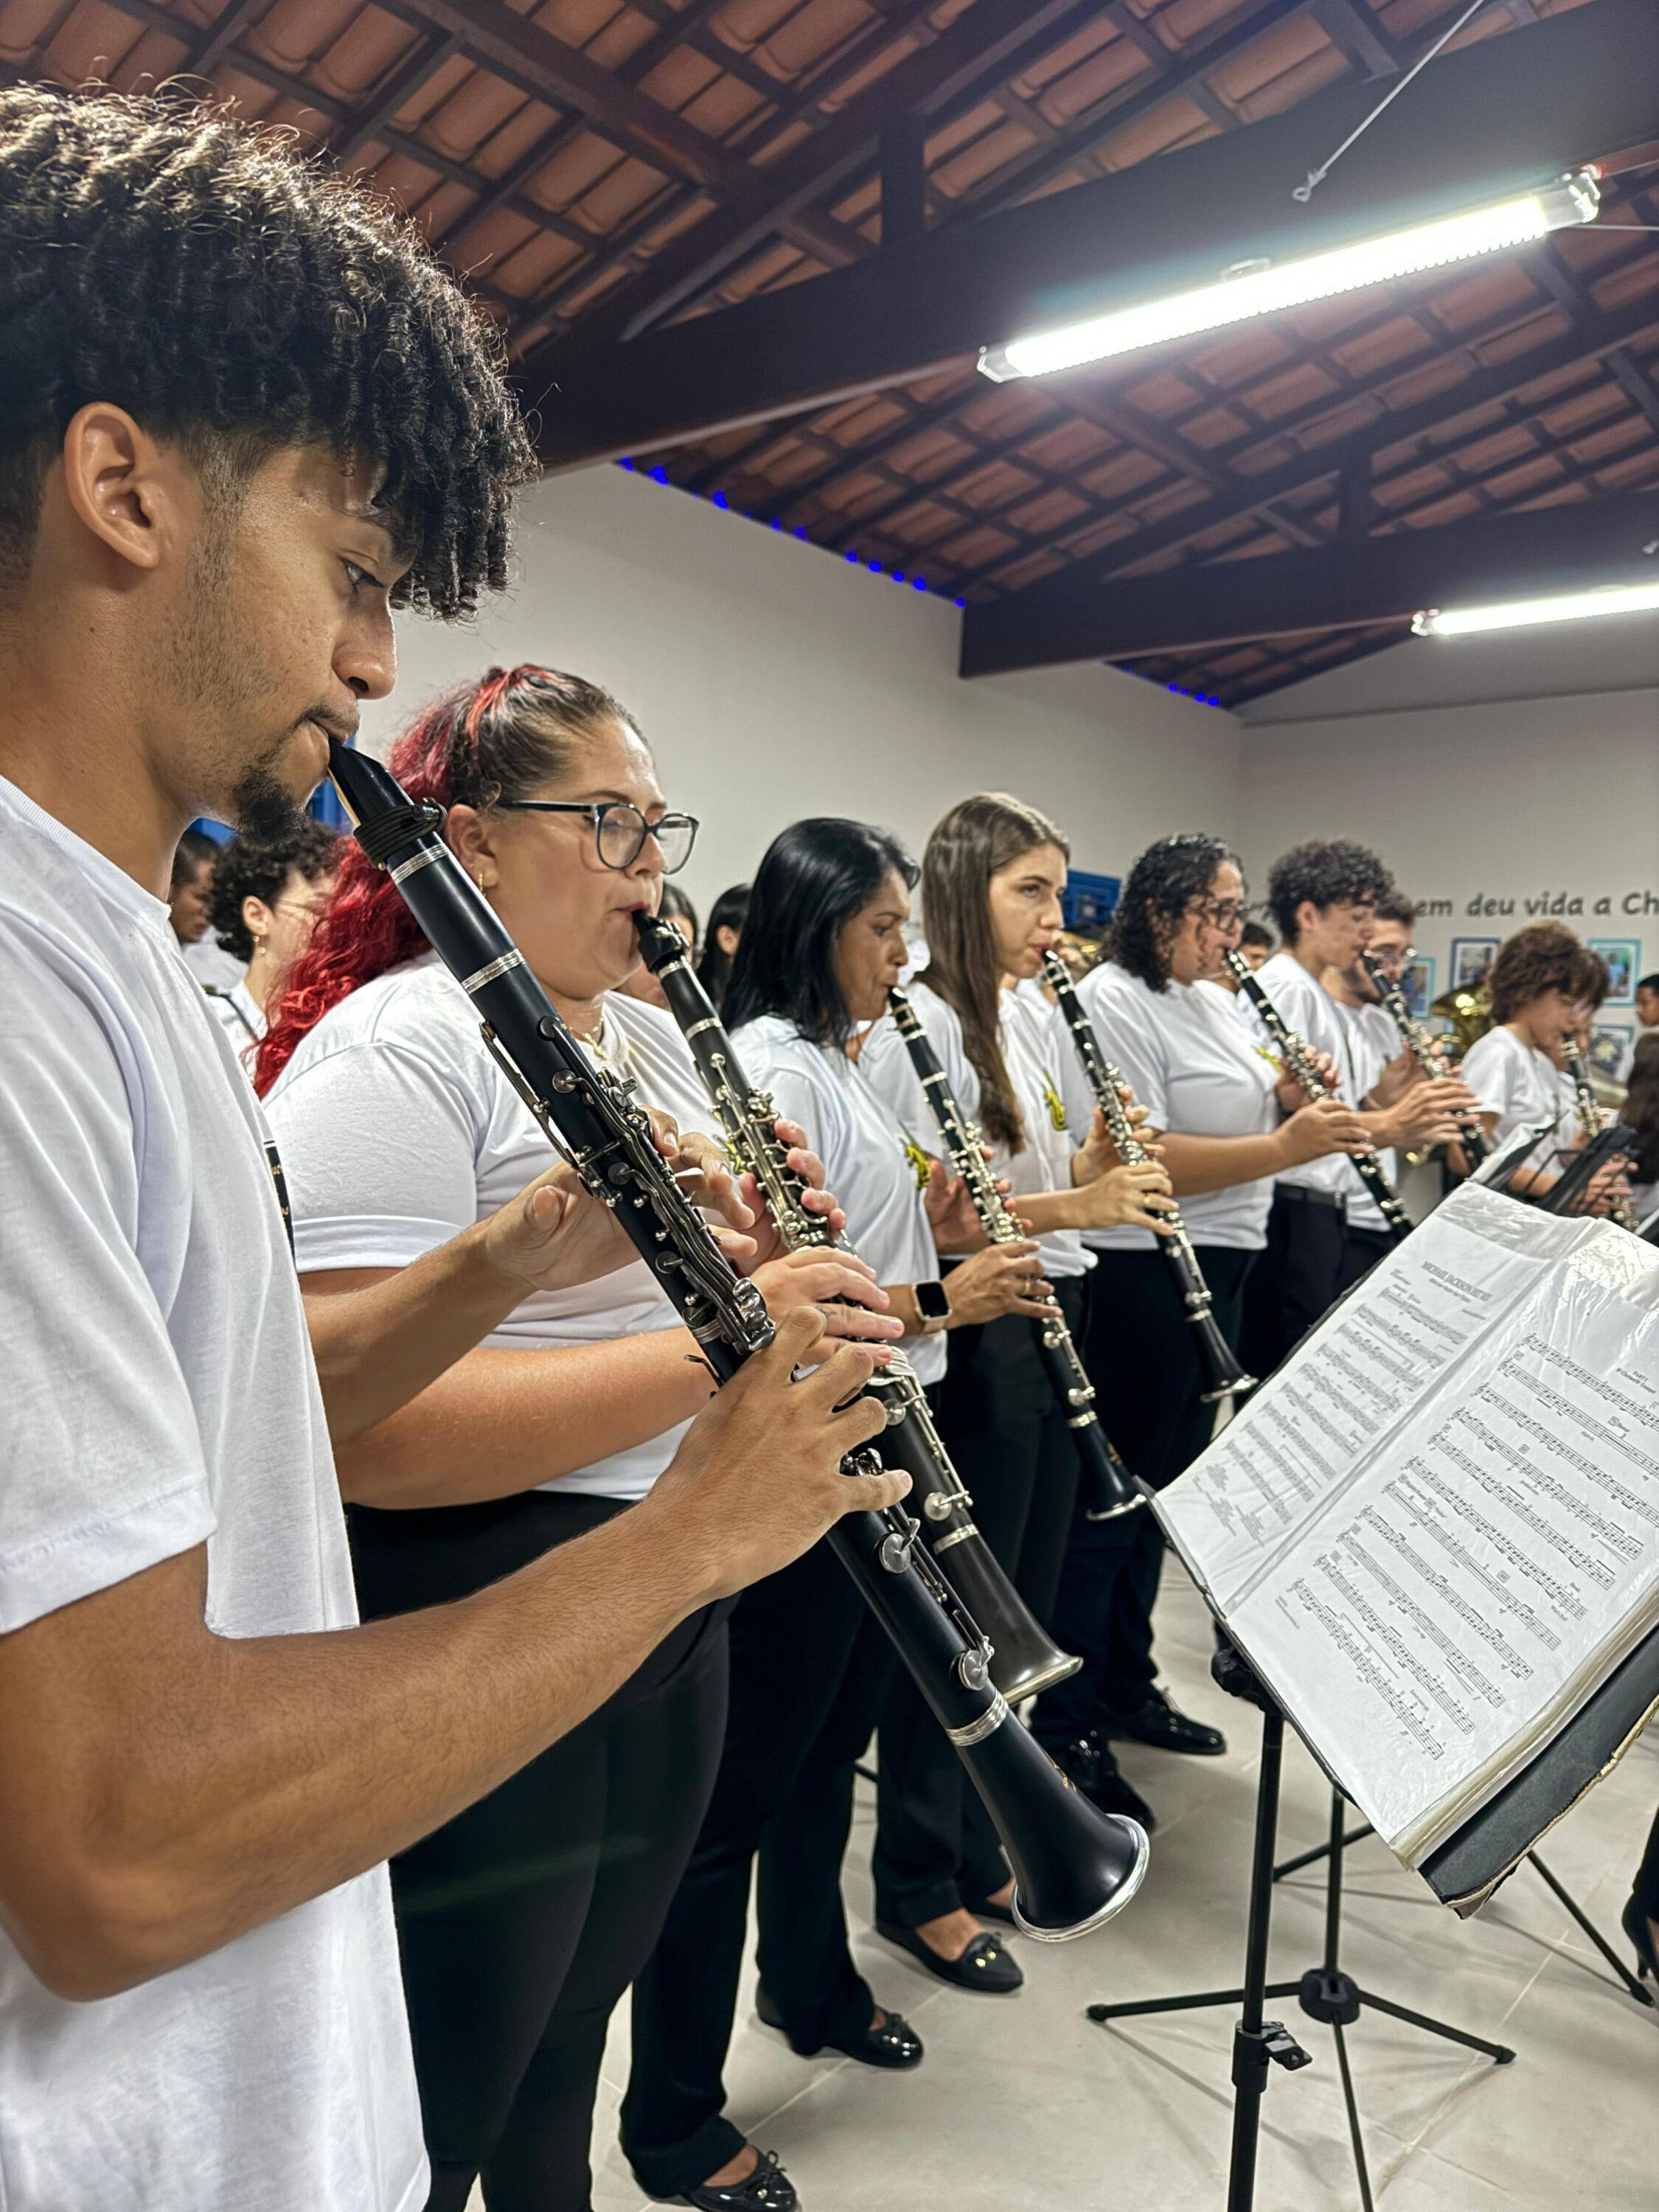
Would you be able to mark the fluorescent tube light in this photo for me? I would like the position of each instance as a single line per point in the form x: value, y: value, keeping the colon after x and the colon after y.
x: 1271, y: 287
x: 1520, y: 613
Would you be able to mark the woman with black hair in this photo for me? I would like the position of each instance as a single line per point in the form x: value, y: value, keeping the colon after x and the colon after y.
x: 990, y: 883
x: 720, y: 947
x: 1229, y: 1123
x: 822, y: 946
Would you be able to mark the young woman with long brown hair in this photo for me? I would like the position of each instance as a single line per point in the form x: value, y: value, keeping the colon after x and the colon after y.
x: 522, y: 1921
x: 990, y: 883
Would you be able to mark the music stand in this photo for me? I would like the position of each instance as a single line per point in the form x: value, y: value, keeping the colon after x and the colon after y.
x: 1327, y: 1992
x: 1463, y: 1871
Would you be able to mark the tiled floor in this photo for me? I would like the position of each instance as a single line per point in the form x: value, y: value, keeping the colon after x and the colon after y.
x: 1022, y: 2103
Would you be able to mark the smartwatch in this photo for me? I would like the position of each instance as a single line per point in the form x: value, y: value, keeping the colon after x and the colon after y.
x: 933, y: 1305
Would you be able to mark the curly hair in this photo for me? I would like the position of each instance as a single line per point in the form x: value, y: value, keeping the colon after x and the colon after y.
x: 498, y: 738
x: 978, y: 839
x: 1545, y: 956
x: 1323, y: 872
x: 254, y: 867
x: 238, y: 298
x: 1162, y: 884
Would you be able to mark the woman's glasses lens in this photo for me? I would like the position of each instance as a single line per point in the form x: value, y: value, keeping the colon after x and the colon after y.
x: 623, y: 830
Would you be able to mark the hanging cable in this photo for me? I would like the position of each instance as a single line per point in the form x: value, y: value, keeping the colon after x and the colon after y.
x: 1305, y: 192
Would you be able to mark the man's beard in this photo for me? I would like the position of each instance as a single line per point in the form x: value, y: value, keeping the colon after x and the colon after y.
x: 262, y: 807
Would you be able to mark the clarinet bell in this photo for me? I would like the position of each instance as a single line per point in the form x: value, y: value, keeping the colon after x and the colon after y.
x: 1074, y: 1867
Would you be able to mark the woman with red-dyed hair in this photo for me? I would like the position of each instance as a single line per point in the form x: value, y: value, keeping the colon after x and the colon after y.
x: 522, y: 1921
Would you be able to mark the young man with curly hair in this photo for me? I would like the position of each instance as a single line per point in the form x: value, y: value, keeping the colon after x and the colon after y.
x: 1324, y: 897
x: 242, y: 417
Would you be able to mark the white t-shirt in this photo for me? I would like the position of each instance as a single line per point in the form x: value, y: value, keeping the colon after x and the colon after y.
x: 1371, y: 1042
x: 241, y: 1018
x: 1055, y: 1102
x: 399, y: 1130
x: 210, y: 965
x: 1308, y: 1008
x: 1184, y: 1055
x: 1521, y: 1085
x: 160, y: 1394
x: 872, y: 1159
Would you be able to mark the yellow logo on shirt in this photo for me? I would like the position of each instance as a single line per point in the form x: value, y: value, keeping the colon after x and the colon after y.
x: 1054, y: 1102
x: 919, y: 1160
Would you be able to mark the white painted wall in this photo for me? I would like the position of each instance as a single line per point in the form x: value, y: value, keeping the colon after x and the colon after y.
x: 776, y: 680
x: 1551, y: 799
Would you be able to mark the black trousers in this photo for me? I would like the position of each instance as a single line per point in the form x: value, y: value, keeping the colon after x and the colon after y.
x: 809, y: 1666
x: 1150, y: 1382
x: 523, y: 1920
x: 1361, y: 1252
x: 1296, y: 1278
x: 1007, y: 1430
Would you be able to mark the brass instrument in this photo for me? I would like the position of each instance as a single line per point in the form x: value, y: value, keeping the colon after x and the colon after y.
x: 1592, y: 1120
x: 1469, y: 1013
x: 1227, y: 1377
x: 1421, y: 1046
x: 1073, y: 1866
x: 1115, y: 1488
x: 1025, y: 1658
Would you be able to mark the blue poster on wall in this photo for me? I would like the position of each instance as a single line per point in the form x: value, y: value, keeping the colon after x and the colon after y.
x: 1089, y: 902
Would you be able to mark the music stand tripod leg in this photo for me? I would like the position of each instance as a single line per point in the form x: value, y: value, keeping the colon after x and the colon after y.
x: 1594, y: 1933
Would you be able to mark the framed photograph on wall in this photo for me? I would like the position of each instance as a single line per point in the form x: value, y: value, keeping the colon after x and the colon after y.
x: 1610, y: 1048
x: 1623, y: 957
x: 1417, y: 985
x: 1471, y: 957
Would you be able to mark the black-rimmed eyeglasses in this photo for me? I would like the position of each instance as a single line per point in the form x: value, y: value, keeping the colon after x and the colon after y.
x: 620, y: 829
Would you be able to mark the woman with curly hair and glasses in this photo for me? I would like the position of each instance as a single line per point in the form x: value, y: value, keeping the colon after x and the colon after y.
x: 266, y: 896
x: 1229, y: 1123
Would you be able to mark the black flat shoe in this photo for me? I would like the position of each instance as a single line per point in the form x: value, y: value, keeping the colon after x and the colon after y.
x: 988, y: 1909
x: 768, y: 2188
x: 983, y: 1966
x: 1091, y: 1767
x: 895, y: 2044
x: 1156, y: 1722
x: 1634, y: 1922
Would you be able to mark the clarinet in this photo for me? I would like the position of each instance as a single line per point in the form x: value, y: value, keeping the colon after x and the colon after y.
x: 1297, y: 1056
x: 1073, y: 1867
x: 1418, y: 1042
x: 1025, y: 1660
x: 1227, y: 1378
x: 1116, y: 1490
x: 1593, y: 1121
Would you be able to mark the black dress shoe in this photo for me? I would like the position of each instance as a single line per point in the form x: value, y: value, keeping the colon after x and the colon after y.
x: 1095, y: 1773
x: 768, y: 2188
x: 1157, y: 1721
x: 1634, y: 1922
x: 895, y: 2044
x: 983, y: 1966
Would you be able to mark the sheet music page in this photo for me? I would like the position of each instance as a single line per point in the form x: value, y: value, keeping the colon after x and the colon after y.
x: 1440, y: 1525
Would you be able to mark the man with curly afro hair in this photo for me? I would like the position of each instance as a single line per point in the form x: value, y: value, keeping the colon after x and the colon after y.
x: 1324, y: 898
x: 243, y: 415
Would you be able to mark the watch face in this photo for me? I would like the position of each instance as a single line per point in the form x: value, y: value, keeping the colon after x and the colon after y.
x: 931, y: 1303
